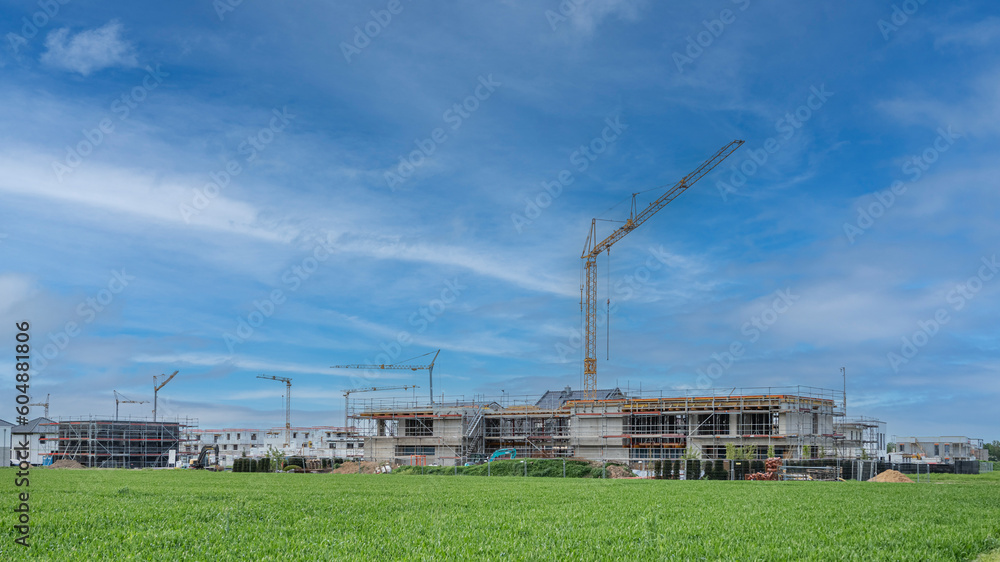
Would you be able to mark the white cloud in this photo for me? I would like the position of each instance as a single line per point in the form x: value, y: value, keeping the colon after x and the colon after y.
x: 13, y: 290
x: 588, y: 14
x: 89, y: 51
x: 139, y: 194
x: 979, y: 34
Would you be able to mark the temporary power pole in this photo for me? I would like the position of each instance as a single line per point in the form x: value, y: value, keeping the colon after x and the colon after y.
x: 593, y: 248
x: 430, y: 368
x: 125, y: 401
x: 347, y: 395
x: 156, y: 389
x: 46, y: 404
x: 288, y: 405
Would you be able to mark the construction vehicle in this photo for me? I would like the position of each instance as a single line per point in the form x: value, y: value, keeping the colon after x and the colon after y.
x: 202, y: 461
x: 502, y: 453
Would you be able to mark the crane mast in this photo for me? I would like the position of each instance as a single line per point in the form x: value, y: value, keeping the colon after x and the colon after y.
x: 593, y: 248
x: 288, y: 405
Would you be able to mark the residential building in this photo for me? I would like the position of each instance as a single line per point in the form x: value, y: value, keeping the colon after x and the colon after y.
x: 860, y: 438
x: 795, y: 421
x: 40, y: 434
x: 936, y: 450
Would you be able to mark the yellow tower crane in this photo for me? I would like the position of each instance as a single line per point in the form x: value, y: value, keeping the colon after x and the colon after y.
x: 593, y: 248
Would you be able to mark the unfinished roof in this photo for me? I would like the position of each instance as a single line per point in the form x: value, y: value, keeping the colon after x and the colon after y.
x: 554, y: 399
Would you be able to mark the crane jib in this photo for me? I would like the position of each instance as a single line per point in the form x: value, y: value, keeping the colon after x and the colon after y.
x: 592, y: 249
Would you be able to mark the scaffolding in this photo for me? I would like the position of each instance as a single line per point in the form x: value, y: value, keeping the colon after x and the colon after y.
x: 131, y: 443
x: 794, y: 422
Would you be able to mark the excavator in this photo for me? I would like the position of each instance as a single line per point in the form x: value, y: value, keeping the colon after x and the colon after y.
x: 202, y: 461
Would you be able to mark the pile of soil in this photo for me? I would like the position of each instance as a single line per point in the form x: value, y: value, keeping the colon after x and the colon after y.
x: 367, y: 467
x: 66, y: 463
x: 891, y: 476
x: 613, y: 470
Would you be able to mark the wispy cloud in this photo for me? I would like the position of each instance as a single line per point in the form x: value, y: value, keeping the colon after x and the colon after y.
x: 89, y: 51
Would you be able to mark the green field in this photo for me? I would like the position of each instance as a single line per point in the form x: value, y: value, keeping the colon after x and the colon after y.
x: 195, y: 515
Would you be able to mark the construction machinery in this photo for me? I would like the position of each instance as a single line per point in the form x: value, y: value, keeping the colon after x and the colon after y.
x: 593, y: 248
x: 156, y: 389
x: 202, y: 462
x: 288, y: 404
x: 347, y: 395
x: 500, y: 453
x: 46, y: 405
x: 430, y: 368
x: 125, y: 401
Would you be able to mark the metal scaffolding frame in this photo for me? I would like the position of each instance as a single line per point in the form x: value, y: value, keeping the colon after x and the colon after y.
x: 129, y: 443
x: 796, y: 421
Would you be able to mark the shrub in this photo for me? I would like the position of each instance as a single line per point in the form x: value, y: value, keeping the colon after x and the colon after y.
x: 292, y: 468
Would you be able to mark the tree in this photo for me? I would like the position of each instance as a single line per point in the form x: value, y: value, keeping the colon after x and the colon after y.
x: 994, y: 450
x: 770, y: 451
x: 890, y: 447
x: 277, y: 458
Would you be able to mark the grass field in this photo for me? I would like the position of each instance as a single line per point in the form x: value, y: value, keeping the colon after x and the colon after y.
x: 194, y: 515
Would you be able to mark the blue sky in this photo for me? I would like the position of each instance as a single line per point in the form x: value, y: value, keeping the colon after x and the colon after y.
x: 234, y: 190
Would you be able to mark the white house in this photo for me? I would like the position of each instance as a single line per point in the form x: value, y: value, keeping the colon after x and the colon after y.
x: 943, y: 449
x: 5, y: 428
x: 320, y: 442
x: 41, y: 434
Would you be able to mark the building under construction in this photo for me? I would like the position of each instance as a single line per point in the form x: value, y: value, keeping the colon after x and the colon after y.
x: 132, y: 443
x: 797, y: 422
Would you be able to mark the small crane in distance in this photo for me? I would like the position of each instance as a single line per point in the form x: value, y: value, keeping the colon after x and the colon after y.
x: 46, y: 404
x: 124, y: 400
x: 288, y: 404
x: 347, y: 395
x: 430, y: 368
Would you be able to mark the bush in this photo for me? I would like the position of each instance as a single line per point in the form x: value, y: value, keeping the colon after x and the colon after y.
x: 720, y: 471
x: 292, y: 468
x: 676, y: 470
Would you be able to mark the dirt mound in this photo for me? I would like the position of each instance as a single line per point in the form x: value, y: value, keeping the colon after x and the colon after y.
x: 66, y: 463
x: 613, y: 470
x: 367, y: 467
x: 891, y: 476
